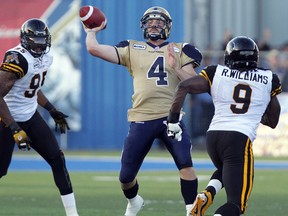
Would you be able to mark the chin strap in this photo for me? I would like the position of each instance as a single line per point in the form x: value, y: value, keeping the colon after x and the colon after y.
x: 39, y: 55
x: 155, y: 38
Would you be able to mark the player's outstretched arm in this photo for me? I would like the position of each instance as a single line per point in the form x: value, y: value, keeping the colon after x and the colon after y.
x: 194, y: 85
x: 58, y: 117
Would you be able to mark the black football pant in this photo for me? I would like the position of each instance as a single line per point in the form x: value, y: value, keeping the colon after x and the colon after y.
x: 43, y: 142
x: 231, y: 153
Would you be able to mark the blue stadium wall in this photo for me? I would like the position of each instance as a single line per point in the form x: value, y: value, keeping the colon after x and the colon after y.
x: 107, y: 88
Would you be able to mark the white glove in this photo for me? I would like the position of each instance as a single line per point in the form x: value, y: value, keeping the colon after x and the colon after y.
x: 174, y: 131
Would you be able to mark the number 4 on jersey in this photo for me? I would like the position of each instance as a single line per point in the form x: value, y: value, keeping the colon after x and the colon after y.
x: 157, y: 71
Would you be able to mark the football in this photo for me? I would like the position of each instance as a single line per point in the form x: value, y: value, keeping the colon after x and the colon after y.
x: 91, y: 16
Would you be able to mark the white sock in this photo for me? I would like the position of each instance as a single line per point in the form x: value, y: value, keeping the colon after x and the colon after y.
x: 133, y: 200
x: 216, y: 184
x: 69, y: 204
x: 189, y: 208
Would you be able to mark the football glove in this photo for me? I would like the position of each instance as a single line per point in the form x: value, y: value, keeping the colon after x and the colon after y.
x: 60, y: 120
x: 20, y: 137
x: 174, y: 131
x: 173, y: 126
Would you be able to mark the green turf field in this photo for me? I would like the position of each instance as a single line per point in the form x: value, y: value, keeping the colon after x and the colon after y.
x: 98, y: 193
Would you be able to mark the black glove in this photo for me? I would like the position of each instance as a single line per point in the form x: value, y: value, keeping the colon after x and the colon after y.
x: 20, y: 137
x: 60, y: 120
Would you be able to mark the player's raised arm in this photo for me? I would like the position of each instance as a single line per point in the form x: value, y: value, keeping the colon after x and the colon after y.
x: 105, y: 52
x: 94, y: 20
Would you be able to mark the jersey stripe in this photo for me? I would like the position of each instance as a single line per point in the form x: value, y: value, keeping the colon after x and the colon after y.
x: 276, y: 91
x: 247, y: 175
x: 13, y: 68
x: 204, y: 74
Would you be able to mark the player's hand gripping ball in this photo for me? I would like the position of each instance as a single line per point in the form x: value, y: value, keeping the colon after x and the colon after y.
x: 92, y: 17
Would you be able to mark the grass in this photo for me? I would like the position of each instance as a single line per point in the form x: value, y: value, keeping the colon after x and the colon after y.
x: 98, y: 193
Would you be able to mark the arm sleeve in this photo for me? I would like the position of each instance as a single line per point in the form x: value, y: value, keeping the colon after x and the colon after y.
x: 122, y: 50
x: 14, y: 62
x: 208, y: 73
x: 276, y: 85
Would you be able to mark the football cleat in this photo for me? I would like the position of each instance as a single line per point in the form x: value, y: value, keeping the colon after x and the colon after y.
x: 134, y: 206
x: 202, y: 202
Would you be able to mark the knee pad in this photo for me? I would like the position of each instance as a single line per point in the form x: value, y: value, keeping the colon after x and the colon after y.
x: 57, y: 161
x: 228, y: 209
x: 127, y: 175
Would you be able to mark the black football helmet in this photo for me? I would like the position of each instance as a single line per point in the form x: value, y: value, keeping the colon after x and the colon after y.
x: 156, y: 13
x: 241, y: 53
x: 35, y: 37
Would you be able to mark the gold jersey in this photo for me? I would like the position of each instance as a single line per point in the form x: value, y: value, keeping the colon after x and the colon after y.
x: 154, y: 81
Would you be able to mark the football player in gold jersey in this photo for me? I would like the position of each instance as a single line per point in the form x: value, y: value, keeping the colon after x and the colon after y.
x: 157, y: 67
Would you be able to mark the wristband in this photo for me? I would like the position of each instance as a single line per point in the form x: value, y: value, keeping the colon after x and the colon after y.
x: 173, y: 117
x: 14, y: 127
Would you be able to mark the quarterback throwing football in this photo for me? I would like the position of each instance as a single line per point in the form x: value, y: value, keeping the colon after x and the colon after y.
x: 156, y: 67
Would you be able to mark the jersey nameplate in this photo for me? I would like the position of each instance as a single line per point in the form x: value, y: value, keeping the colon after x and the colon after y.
x: 245, y: 75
